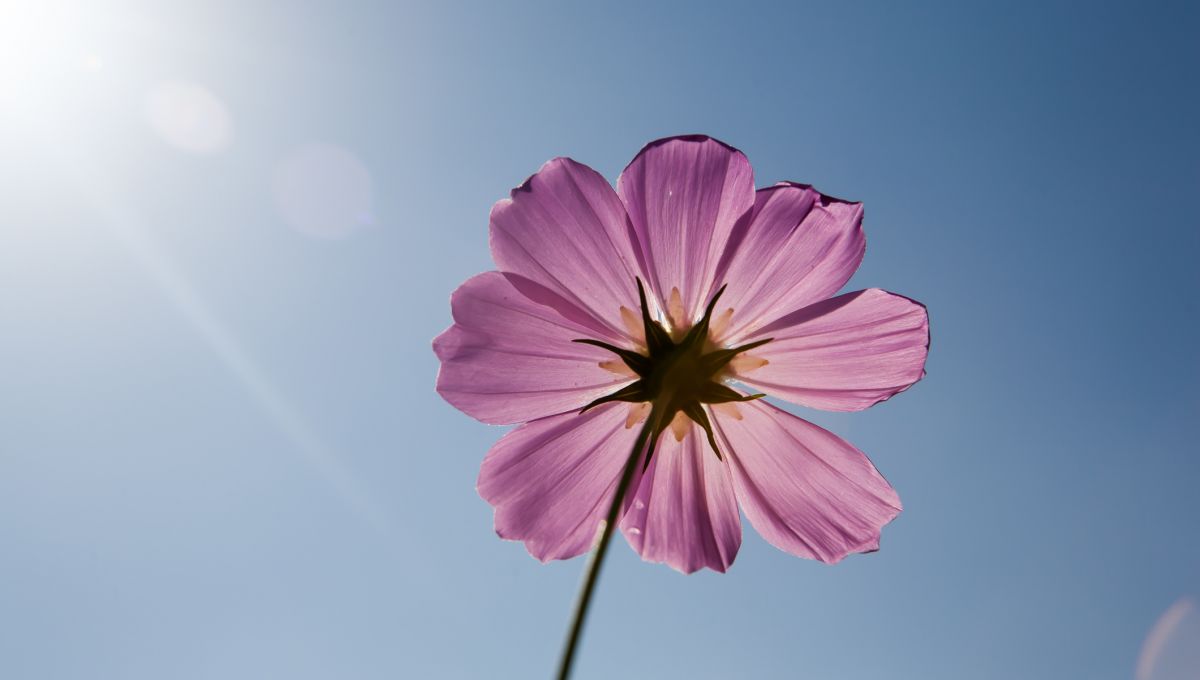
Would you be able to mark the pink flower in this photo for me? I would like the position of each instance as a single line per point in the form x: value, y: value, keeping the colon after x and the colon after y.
x: 737, y: 291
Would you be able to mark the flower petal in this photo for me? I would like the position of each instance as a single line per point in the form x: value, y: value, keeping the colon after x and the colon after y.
x: 685, y: 513
x: 799, y: 247
x: 843, y: 354
x: 684, y: 195
x: 508, y: 359
x: 566, y: 229
x: 806, y: 490
x: 552, y: 480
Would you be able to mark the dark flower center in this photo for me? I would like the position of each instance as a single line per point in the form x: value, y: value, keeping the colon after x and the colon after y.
x: 676, y: 376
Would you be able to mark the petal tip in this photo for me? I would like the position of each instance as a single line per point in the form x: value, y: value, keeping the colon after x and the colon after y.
x: 822, y: 198
x: 691, y: 138
x: 443, y: 342
x: 694, y: 138
x: 868, y: 545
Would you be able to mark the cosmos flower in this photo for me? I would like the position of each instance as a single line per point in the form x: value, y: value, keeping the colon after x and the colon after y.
x: 651, y: 319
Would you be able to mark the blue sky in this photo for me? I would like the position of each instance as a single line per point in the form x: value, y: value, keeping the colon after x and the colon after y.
x: 221, y: 455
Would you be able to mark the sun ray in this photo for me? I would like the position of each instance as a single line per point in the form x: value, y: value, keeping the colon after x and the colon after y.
x: 127, y: 228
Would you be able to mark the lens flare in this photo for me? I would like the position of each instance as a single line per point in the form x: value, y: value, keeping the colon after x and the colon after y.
x: 323, y: 190
x: 1172, y: 647
x: 189, y: 117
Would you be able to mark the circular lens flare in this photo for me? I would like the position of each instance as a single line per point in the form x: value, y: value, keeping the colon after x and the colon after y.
x: 189, y: 117
x: 323, y: 190
x: 1172, y: 647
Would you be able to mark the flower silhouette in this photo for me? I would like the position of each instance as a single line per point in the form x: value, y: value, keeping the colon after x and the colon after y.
x: 631, y: 320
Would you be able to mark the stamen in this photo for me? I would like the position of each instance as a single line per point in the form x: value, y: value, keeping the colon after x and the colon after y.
x: 680, y: 372
x: 618, y: 367
x: 633, y: 325
x: 720, y: 324
x: 679, y: 426
x: 675, y: 313
x: 744, y: 363
x: 637, y: 414
x: 729, y: 409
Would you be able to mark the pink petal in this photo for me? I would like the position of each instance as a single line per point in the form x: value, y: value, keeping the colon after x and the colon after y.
x: 685, y: 513
x: 684, y: 195
x: 552, y: 480
x: 508, y: 359
x: 843, y: 354
x: 799, y: 247
x: 566, y: 229
x: 806, y: 490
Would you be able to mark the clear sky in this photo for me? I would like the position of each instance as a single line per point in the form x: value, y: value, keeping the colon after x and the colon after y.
x: 229, y: 231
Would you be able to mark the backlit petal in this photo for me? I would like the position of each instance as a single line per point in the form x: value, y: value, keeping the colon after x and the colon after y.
x: 684, y: 195
x: 684, y: 513
x: 552, y: 480
x: 806, y: 490
x: 843, y: 354
x: 508, y: 359
x: 566, y: 229
x: 799, y: 247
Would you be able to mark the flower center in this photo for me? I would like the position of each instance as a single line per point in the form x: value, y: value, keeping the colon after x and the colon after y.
x: 676, y: 376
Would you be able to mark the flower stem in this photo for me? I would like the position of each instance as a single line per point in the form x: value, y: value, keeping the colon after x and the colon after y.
x: 592, y: 574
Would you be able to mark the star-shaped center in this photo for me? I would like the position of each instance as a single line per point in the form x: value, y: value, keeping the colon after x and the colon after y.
x: 677, y: 376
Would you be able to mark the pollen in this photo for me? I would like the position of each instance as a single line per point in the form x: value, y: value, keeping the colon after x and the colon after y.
x: 721, y: 323
x: 633, y: 326
x: 637, y: 414
x: 728, y: 409
x: 680, y: 371
x: 617, y: 366
x: 675, y: 314
x: 680, y: 426
x: 745, y: 363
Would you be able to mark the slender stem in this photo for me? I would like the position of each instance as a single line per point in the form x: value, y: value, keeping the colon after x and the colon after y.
x: 592, y: 574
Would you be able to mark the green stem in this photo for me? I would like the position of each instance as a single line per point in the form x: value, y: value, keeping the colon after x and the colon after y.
x: 592, y: 574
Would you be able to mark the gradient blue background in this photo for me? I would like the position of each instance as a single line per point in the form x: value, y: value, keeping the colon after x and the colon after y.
x: 221, y: 455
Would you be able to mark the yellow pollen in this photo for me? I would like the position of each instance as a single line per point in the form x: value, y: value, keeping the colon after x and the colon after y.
x: 637, y: 414
x: 679, y: 372
x: 633, y: 325
x: 729, y: 409
x: 744, y: 363
x: 680, y: 426
x: 619, y: 367
x: 719, y: 325
x: 675, y: 313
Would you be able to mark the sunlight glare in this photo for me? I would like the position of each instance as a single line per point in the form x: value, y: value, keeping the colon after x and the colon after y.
x: 42, y: 47
x: 323, y: 190
x: 189, y: 117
